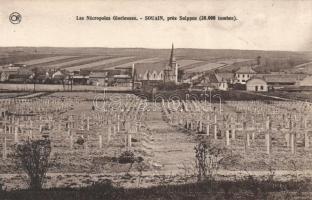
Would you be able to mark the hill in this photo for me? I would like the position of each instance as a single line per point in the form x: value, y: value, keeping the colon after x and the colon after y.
x: 192, y: 60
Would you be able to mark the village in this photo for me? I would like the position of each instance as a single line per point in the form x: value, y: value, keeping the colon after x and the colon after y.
x: 140, y: 76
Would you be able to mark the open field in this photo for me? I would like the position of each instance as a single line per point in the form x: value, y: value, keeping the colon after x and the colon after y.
x: 302, y: 68
x: 206, y: 67
x: 97, y: 64
x: 129, y: 64
x: 45, y: 60
x: 192, y: 60
x: 76, y: 61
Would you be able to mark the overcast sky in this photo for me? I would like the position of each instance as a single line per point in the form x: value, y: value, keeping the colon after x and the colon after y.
x: 264, y: 25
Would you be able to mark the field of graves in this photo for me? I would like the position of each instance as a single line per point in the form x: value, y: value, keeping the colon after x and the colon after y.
x: 91, y: 132
x: 265, y: 134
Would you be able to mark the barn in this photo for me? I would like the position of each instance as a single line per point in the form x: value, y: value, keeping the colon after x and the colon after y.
x: 257, y: 85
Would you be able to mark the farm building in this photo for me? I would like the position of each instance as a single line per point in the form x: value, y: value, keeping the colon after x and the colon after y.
x: 307, y: 81
x: 99, y: 78
x: 256, y: 85
x: 80, y: 77
x: 112, y: 77
x: 281, y: 80
x: 42, y: 76
x: 8, y: 71
x: 21, y: 76
x: 123, y: 80
x: 244, y: 74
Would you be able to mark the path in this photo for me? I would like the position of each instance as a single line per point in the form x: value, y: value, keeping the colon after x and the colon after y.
x: 172, y: 149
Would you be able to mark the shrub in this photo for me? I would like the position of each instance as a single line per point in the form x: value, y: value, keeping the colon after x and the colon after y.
x: 126, y: 157
x: 33, y: 158
x: 209, y: 158
x: 80, y: 141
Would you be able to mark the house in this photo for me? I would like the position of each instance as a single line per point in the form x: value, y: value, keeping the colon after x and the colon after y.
x: 123, y: 80
x: 244, y: 74
x: 111, y: 77
x: 7, y: 71
x: 99, y: 78
x: 307, y: 81
x: 41, y: 76
x: 281, y: 80
x: 212, y: 81
x: 256, y: 85
x: 227, y: 76
x: 22, y: 75
x: 80, y: 77
x: 60, y: 76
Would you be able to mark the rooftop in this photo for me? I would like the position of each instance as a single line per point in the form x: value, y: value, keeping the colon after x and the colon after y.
x: 246, y: 70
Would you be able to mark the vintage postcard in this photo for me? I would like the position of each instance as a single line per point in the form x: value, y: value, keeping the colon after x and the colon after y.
x: 146, y: 100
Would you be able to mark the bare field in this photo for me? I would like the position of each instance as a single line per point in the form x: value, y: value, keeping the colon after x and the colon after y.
x: 97, y: 64
x: 199, y: 59
x: 45, y: 60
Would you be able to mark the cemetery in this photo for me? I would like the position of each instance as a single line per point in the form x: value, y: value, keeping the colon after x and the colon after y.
x: 98, y: 136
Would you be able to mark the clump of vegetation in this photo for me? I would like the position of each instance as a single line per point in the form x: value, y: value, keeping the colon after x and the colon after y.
x: 126, y: 157
x: 209, y: 158
x: 80, y: 141
x: 33, y: 157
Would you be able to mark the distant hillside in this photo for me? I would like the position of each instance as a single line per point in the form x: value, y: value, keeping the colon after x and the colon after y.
x: 202, y: 59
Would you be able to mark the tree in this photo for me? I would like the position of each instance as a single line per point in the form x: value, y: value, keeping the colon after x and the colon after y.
x: 35, y: 77
x: 258, y: 60
x: 33, y: 158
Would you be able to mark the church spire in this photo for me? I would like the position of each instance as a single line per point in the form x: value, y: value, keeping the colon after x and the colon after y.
x: 172, y: 60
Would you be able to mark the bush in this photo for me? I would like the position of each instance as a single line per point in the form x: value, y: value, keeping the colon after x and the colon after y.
x: 80, y: 141
x: 209, y: 158
x: 33, y: 158
x: 126, y: 157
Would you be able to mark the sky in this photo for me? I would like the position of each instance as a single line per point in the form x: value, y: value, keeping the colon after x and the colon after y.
x: 261, y: 25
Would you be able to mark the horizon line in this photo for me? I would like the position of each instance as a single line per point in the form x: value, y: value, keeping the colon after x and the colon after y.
x: 151, y: 48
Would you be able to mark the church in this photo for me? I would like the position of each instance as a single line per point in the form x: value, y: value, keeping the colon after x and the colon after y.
x: 159, y: 71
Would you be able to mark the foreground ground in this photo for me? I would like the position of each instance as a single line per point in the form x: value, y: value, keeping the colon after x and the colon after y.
x: 214, y: 190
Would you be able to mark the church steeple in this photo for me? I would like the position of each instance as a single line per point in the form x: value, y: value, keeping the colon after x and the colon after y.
x: 172, y: 60
x: 171, y: 70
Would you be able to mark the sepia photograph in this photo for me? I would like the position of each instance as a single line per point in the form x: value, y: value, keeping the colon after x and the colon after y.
x: 155, y: 100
